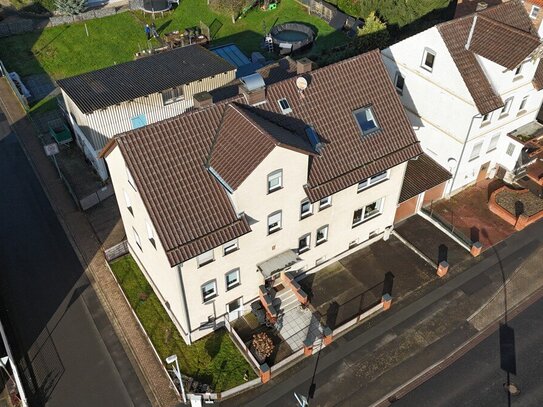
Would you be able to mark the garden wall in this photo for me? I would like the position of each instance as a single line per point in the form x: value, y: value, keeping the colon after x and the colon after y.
x: 519, y: 222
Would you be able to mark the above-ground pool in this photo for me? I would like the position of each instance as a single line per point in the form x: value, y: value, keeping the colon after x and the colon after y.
x: 292, y: 36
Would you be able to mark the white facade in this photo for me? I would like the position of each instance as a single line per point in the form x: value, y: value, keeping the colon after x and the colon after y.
x: 181, y: 286
x: 443, y: 113
x: 98, y: 127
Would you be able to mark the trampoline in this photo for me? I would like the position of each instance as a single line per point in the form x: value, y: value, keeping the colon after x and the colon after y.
x: 155, y: 6
x: 291, y: 37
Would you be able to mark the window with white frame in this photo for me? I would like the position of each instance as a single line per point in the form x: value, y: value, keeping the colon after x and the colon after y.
x: 366, y: 120
x: 367, y: 212
x: 523, y: 103
x: 232, y: 279
x: 172, y: 95
x: 325, y: 202
x: 534, y: 12
x: 285, y: 106
x: 137, y: 238
x: 375, y: 179
x: 506, y: 107
x: 128, y: 202
x: 428, y: 59
x: 518, y: 70
x: 322, y: 235
x: 205, y: 258
x: 510, y: 149
x: 130, y: 178
x: 275, y: 181
x: 230, y: 247
x: 306, y: 209
x: 209, y: 290
x: 399, y: 82
x: 486, y: 119
x: 274, y: 222
x: 493, y: 143
x: 476, y: 151
x: 304, y: 243
x: 150, y: 233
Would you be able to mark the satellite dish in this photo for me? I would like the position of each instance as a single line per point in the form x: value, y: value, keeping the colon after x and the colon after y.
x: 301, y: 83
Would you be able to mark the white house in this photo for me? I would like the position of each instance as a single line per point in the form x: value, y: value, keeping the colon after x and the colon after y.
x: 466, y: 84
x: 113, y: 100
x: 282, y: 177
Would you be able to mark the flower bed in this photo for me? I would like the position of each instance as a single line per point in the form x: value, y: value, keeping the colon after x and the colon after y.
x: 519, y: 208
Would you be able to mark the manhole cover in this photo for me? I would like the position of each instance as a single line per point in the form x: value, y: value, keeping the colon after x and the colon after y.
x: 512, y: 389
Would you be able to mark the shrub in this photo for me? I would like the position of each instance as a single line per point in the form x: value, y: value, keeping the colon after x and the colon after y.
x: 70, y: 7
x: 373, y: 34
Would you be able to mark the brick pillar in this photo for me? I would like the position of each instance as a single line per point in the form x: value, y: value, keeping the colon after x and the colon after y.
x: 308, y: 347
x: 328, y: 338
x: 443, y: 268
x: 386, y: 300
x: 476, y: 249
x: 265, y: 373
x: 522, y: 222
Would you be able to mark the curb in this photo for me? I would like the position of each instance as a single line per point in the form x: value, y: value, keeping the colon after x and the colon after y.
x: 88, y: 269
x: 456, y: 354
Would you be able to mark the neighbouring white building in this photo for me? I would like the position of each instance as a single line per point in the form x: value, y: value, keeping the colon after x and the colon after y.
x: 221, y: 199
x: 466, y: 84
x: 113, y: 100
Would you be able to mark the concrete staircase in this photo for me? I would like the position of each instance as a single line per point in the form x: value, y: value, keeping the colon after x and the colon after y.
x: 284, y: 300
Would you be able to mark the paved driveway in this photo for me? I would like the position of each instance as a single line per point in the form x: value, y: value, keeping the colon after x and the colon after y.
x: 355, y: 283
x: 432, y: 242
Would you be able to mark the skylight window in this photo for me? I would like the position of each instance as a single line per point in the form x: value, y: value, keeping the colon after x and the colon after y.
x: 366, y: 120
x: 285, y: 106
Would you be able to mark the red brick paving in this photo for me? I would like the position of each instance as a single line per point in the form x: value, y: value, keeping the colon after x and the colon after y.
x: 468, y: 211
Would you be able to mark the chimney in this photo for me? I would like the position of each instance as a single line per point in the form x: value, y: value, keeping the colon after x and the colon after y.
x: 303, y: 65
x: 482, y: 5
x: 253, y: 88
x: 202, y: 100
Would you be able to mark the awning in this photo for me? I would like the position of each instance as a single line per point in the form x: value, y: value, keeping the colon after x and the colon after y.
x: 277, y: 263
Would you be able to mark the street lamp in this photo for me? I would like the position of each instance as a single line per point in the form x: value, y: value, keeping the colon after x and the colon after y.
x: 171, y: 360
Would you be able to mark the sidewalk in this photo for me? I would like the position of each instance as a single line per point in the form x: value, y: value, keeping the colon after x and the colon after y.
x: 89, y: 249
x: 375, y: 359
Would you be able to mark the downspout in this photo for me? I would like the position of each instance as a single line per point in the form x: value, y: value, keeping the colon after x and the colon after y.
x: 184, y: 306
x: 461, y: 156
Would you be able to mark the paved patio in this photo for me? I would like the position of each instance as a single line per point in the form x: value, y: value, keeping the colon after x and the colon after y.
x: 357, y: 282
x: 432, y: 242
x: 468, y: 212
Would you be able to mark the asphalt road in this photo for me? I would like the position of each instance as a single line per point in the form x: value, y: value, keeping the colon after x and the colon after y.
x: 65, y: 345
x: 478, y: 377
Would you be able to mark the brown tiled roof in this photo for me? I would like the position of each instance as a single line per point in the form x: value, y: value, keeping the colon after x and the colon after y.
x: 244, y: 140
x: 510, y: 16
x: 191, y: 210
x: 511, y: 48
x: 538, y: 77
x: 421, y: 175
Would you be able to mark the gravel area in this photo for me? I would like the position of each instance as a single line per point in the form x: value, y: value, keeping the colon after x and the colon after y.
x: 516, y: 204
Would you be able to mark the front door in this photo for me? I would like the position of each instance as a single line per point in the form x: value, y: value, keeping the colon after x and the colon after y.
x: 234, y: 309
x: 483, y: 172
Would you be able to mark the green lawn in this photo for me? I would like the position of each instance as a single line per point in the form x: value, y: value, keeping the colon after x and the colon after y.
x: 66, y: 50
x: 214, y: 360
